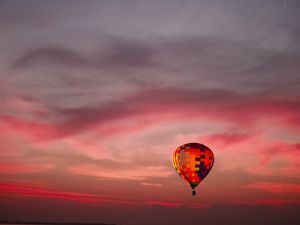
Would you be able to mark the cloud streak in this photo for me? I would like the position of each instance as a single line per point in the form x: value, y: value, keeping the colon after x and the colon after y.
x: 219, y: 105
x: 274, y: 187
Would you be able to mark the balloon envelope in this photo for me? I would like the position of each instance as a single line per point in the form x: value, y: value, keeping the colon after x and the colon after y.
x: 193, y: 161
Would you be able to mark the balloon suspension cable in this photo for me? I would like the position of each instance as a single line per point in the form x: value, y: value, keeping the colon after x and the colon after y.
x: 193, y: 192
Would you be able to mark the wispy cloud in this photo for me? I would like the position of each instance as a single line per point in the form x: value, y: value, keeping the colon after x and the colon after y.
x: 274, y: 187
x: 218, y: 105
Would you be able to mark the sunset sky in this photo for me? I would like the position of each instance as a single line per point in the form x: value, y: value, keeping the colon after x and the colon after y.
x: 97, y: 95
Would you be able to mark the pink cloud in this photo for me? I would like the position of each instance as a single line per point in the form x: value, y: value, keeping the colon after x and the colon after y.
x: 226, y: 139
x: 131, y: 173
x: 281, y: 149
x: 274, y: 159
x: 164, y: 104
x: 22, y: 168
x: 151, y: 184
x: 274, y: 187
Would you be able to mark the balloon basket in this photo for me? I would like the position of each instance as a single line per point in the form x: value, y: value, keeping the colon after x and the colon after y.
x: 193, y: 192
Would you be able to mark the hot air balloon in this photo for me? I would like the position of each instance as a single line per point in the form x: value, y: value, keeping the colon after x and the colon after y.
x: 193, y: 161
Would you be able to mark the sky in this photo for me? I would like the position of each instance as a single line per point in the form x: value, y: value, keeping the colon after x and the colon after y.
x: 97, y: 95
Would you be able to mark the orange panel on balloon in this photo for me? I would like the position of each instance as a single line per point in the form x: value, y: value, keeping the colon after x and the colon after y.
x: 193, y: 161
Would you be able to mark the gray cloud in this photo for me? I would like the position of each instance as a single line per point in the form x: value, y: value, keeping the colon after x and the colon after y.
x: 121, y: 53
x: 75, y: 65
x: 49, y: 56
x: 193, y: 62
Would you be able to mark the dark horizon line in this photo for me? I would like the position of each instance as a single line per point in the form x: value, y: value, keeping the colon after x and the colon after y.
x: 58, y: 223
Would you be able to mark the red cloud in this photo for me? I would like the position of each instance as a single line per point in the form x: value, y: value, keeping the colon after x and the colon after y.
x: 274, y: 202
x: 37, y: 130
x: 268, y: 202
x: 25, y: 190
x: 167, y: 204
x: 41, y: 192
x: 176, y: 204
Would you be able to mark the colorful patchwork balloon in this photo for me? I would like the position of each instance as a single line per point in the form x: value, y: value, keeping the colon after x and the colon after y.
x: 193, y: 161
